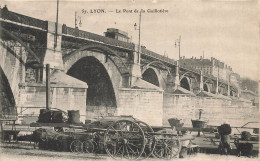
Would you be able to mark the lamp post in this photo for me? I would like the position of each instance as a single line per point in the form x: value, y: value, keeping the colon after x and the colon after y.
x: 178, y: 43
x: 48, y: 87
x: 56, y: 26
x: 139, y: 37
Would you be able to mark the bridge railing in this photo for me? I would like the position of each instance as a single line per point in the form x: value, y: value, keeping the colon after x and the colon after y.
x: 12, y: 16
x: 95, y: 37
x: 158, y: 56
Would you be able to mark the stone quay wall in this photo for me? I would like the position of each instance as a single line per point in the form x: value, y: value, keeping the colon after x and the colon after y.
x: 215, y: 110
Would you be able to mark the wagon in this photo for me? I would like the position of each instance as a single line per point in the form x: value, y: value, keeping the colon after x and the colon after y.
x: 119, y: 137
x: 130, y: 138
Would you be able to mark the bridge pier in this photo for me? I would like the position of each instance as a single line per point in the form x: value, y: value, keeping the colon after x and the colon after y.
x: 135, y: 73
x: 67, y: 93
x: 53, y: 55
x: 141, y: 99
x: 144, y: 104
x: 176, y: 78
x: 135, y: 67
x: 201, y: 82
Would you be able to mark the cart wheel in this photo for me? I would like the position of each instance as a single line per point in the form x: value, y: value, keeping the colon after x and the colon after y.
x: 88, y: 146
x: 124, y: 139
x: 149, y: 139
x: 167, y: 147
x: 76, y: 146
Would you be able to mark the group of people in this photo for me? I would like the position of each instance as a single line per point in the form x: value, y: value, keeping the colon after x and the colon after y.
x: 224, y: 147
x: 244, y: 149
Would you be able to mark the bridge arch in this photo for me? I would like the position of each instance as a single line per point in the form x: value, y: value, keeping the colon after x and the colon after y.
x: 185, y: 83
x: 206, y: 87
x: 210, y: 84
x: 151, y: 75
x: 11, y: 67
x: 7, y: 103
x: 149, y: 71
x: 74, y: 56
x: 101, y: 74
x: 222, y: 88
x: 233, y: 91
x: 186, y: 74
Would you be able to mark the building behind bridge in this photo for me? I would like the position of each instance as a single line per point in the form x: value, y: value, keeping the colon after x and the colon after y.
x: 212, y: 67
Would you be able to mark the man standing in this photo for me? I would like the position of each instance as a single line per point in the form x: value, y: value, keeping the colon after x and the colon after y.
x: 224, y: 132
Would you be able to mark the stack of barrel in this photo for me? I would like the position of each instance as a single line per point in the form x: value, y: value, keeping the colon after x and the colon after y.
x: 50, y: 116
x: 74, y: 117
x: 53, y: 140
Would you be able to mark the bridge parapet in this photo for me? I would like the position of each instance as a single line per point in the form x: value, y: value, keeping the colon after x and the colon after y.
x: 15, y: 17
x: 97, y: 38
x: 157, y: 56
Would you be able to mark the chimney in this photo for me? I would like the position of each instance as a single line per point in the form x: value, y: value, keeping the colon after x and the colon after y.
x: 200, y: 57
x: 212, y: 61
x: 192, y: 57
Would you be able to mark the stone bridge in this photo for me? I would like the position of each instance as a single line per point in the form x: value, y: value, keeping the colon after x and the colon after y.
x: 97, y: 75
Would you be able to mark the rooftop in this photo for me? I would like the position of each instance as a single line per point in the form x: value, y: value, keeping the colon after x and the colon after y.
x: 201, y: 62
x: 196, y: 62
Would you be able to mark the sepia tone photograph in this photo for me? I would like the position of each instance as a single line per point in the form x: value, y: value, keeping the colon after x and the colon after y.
x: 129, y: 80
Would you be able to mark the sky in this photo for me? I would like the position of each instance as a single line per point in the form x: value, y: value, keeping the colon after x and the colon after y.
x: 228, y: 30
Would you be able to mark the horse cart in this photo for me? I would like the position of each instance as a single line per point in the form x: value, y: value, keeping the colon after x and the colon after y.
x: 124, y: 137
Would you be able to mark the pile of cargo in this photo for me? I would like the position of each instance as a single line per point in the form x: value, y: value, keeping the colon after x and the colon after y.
x: 52, y: 140
x: 56, y: 139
